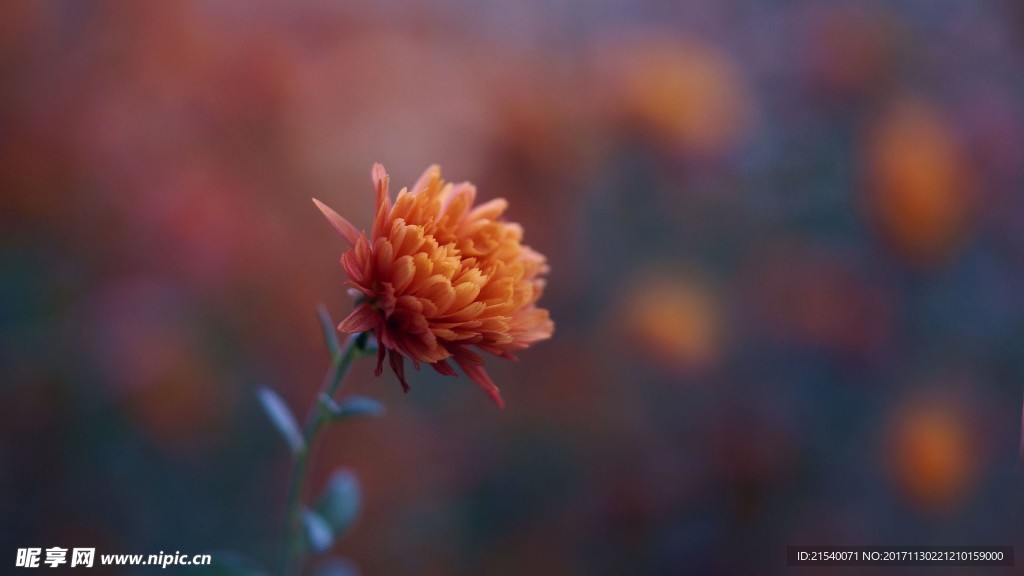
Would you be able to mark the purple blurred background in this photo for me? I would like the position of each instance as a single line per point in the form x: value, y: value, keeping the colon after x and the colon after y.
x: 787, y: 252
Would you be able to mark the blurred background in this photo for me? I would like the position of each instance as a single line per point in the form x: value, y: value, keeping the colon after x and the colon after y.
x: 786, y: 244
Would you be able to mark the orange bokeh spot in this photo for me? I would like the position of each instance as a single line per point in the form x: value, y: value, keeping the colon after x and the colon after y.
x: 687, y: 94
x: 919, y: 182
x: 933, y: 457
x: 673, y: 322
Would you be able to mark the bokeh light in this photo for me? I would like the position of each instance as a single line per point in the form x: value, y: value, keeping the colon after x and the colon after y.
x: 934, y: 456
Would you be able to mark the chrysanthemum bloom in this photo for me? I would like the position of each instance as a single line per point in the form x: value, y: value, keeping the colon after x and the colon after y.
x: 438, y: 277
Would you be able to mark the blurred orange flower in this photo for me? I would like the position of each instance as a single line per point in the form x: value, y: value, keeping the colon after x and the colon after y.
x: 438, y: 276
x: 674, y: 321
x: 689, y: 95
x: 935, y: 457
x: 920, y: 182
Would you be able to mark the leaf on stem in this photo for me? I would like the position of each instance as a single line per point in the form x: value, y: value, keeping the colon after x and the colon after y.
x: 319, y: 535
x: 339, y: 504
x: 330, y: 333
x: 350, y: 407
x: 281, y: 417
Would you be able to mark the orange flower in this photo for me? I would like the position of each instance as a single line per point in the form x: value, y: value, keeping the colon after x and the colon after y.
x: 438, y: 276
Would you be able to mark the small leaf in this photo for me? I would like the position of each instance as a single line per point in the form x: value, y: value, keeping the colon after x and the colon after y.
x: 281, y: 417
x: 330, y: 334
x: 319, y: 535
x: 339, y: 504
x: 336, y: 567
x: 351, y: 406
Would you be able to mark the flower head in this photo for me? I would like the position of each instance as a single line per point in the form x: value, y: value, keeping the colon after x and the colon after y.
x: 438, y: 277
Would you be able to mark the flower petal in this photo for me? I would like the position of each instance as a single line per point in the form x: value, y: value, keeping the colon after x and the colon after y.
x: 477, y: 374
x: 363, y: 318
x: 398, y: 366
x: 344, y: 227
x: 380, y: 185
x: 431, y: 174
x: 381, y: 350
x: 443, y: 367
x: 491, y: 210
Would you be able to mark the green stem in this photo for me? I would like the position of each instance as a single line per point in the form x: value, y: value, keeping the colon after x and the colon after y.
x: 294, y: 552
